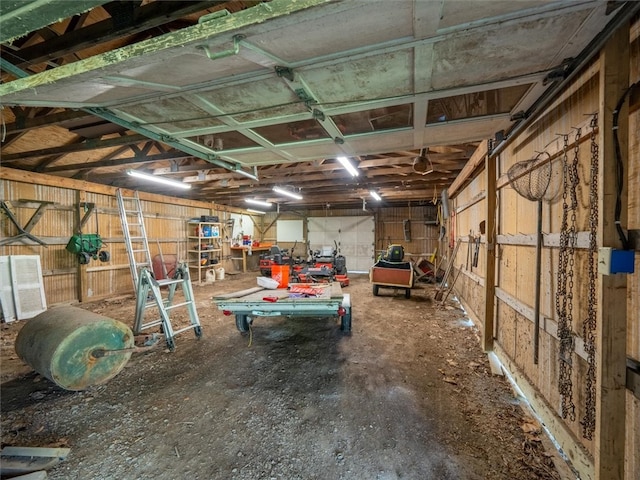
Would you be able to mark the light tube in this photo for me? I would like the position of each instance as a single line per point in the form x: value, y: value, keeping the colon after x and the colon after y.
x: 255, y: 211
x: 347, y: 165
x: 375, y: 195
x: 258, y: 202
x: 282, y: 191
x: 158, y: 179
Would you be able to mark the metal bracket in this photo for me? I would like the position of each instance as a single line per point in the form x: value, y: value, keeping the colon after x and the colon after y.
x: 633, y: 376
x: 90, y: 207
x: 284, y: 72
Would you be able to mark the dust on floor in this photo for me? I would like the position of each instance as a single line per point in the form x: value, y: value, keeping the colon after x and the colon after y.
x: 408, y: 394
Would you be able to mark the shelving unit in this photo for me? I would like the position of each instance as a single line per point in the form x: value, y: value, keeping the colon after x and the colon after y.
x: 203, y: 245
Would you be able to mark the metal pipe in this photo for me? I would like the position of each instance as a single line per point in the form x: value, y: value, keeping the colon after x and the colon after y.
x: 536, y: 308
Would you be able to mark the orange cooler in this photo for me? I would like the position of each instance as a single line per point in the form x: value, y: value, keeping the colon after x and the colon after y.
x: 280, y: 273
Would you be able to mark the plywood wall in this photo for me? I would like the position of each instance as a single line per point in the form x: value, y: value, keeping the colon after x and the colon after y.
x: 65, y: 281
x: 567, y: 118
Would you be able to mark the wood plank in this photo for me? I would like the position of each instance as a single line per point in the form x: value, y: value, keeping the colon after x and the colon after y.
x: 476, y: 160
x: 143, y: 18
x: 580, y: 460
x: 41, y: 475
x: 23, y: 176
x: 23, y: 124
x: 611, y: 334
x: 238, y: 294
x: 490, y: 249
x: 90, y: 144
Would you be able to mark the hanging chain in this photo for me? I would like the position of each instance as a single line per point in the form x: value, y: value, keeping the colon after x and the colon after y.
x: 566, y: 263
x: 589, y: 327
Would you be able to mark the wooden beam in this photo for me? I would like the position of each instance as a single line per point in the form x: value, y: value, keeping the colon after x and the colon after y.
x: 611, y: 334
x: 174, y: 40
x: 22, y: 124
x: 90, y: 144
x: 476, y: 160
x: 142, y: 18
x: 490, y: 244
x: 23, y: 176
x: 117, y: 162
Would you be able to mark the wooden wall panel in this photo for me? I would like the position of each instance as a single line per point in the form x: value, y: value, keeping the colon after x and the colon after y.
x: 516, y: 255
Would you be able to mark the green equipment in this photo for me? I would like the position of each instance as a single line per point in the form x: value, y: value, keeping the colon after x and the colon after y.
x: 87, y: 245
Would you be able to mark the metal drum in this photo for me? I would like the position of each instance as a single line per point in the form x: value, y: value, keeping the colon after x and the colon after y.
x: 74, y: 348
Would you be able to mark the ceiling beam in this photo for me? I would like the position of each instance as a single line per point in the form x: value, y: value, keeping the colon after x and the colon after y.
x: 91, y: 144
x: 20, y: 18
x: 142, y: 18
x: 118, y: 162
x: 22, y: 124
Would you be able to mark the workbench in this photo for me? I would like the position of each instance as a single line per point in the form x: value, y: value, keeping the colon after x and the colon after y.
x: 245, y: 251
x: 262, y: 302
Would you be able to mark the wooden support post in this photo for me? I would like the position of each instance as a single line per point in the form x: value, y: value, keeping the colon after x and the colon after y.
x: 82, y: 269
x: 490, y: 264
x: 611, y: 334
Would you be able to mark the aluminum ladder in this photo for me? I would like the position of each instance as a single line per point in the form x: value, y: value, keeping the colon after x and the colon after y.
x: 135, y: 235
x: 150, y: 288
x: 147, y: 288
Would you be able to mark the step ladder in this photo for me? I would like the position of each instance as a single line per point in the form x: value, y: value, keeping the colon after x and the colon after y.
x: 149, y: 295
x: 147, y: 288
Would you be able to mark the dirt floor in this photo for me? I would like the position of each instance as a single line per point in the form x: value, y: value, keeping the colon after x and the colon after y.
x: 408, y: 394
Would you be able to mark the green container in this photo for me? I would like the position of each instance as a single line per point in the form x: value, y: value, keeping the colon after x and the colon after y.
x: 64, y: 345
x: 84, y: 243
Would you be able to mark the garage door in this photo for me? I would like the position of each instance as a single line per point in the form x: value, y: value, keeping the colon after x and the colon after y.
x: 354, y: 236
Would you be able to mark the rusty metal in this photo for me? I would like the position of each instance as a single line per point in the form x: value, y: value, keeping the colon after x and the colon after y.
x: 564, y: 291
x: 589, y: 325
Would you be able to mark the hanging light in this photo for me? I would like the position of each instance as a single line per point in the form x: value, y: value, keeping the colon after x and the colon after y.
x: 158, y: 179
x: 375, y: 195
x: 288, y: 193
x: 262, y: 203
x: 347, y: 165
x: 255, y: 211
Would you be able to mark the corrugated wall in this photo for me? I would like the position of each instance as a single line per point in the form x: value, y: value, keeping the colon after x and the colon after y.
x: 515, y: 271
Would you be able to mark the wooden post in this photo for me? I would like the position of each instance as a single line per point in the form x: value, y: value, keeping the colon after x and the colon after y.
x: 82, y: 269
x: 611, y: 334
x: 490, y: 267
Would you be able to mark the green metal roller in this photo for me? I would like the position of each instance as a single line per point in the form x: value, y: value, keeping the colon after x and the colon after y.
x: 75, y: 348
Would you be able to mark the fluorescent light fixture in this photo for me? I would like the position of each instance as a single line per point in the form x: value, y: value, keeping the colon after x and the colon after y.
x: 375, y: 195
x: 347, y: 165
x: 252, y: 176
x: 158, y: 179
x: 288, y: 193
x: 255, y: 211
x: 258, y: 202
